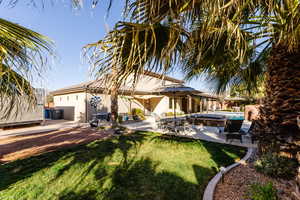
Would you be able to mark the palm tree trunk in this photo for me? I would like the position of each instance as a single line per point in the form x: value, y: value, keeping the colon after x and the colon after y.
x: 114, y: 99
x: 278, y: 129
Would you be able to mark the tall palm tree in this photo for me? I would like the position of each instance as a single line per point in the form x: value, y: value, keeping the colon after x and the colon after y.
x: 232, y: 42
x: 22, y: 55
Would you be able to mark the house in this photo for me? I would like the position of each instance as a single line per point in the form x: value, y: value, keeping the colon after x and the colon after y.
x: 76, y: 100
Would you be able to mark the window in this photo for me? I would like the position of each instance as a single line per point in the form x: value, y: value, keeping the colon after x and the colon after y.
x: 60, y: 99
x: 67, y: 98
x: 76, y: 97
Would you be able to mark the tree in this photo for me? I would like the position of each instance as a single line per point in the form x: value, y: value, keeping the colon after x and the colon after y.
x: 253, y: 96
x: 22, y: 55
x: 231, y: 42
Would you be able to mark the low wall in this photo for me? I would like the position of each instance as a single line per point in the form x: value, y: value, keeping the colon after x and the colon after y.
x: 210, y: 188
x: 251, y: 112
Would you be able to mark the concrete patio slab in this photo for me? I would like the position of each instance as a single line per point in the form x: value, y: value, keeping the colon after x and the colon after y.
x: 207, y: 133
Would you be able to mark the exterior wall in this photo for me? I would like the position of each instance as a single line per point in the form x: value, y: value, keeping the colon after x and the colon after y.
x: 33, y: 115
x: 24, y: 113
x: 147, y: 83
x: 251, y: 112
x: 73, y: 105
x: 163, y: 106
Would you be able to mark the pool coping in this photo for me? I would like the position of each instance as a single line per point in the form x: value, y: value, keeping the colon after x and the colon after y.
x: 210, y: 188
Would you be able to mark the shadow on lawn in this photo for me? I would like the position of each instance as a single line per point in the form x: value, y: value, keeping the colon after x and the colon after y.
x: 140, y: 180
x: 93, y: 153
x: 128, y: 178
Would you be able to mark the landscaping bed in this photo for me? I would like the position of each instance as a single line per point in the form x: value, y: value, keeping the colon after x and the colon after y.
x: 141, y: 165
x: 238, y: 181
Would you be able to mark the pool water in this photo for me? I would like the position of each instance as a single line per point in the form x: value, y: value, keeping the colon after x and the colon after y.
x: 233, y: 117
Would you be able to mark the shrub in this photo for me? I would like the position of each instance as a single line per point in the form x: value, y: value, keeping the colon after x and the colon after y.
x: 120, y: 119
x: 276, y: 166
x: 169, y: 114
x: 138, y: 112
x: 263, y: 192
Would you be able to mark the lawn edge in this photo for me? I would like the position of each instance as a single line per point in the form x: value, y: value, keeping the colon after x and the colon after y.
x: 211, y: 186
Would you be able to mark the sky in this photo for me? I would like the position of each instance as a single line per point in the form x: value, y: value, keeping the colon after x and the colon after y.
x: 71, y: 30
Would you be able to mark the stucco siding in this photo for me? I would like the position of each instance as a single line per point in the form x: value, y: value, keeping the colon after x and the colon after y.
x: 25, y: 112
x: 72, y: 104
x: 76, y: 104
x: 147, y: 83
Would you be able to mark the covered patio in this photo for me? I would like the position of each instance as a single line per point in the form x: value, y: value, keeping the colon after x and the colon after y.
x: 177, y: 100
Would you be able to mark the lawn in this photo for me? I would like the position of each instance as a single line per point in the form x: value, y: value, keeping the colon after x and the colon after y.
x: 142, y: 165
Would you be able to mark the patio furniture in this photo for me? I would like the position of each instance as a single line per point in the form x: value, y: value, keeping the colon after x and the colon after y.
x: 98, y: 117
x: 232, y: 129
x: 250, y: 132
x: 175, y: 126
x: 232, y: 126
x: 184, y: 127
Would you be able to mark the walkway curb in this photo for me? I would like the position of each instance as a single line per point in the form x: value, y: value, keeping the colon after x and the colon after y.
x: 210, y: 188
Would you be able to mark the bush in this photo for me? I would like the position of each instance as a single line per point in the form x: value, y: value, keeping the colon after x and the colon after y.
x: 120, y: 119
x: 263, y: 192
x: 276, y: 166
x: 138, y: 112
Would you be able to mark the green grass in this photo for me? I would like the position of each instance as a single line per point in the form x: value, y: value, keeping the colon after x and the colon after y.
x: 138, y: 166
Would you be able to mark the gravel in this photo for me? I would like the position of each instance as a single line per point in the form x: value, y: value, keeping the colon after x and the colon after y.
x: 238, y: 181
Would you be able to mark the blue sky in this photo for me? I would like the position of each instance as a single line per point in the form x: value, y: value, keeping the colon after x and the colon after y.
x: 70, y: 30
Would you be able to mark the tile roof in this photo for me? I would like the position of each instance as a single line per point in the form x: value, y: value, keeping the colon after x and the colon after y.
x: 97, y: 85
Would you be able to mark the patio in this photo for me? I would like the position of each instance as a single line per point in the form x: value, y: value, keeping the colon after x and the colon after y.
x: 207, y: 133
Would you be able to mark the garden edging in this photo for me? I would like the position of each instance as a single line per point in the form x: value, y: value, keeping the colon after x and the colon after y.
x: 210, y: 188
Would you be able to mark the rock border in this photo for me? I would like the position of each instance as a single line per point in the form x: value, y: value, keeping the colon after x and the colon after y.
x: 210, y: 188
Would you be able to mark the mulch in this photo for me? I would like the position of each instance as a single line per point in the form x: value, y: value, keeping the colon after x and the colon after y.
x: 19, y: 147
x: 238, y: 181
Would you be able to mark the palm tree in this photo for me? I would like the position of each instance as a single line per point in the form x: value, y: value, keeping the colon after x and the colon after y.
x: 231, y: 42
x: 22, y: 55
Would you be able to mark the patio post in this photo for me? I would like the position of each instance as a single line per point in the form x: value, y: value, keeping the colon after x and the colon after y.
x: 190, y: 104
x: 174, y: 105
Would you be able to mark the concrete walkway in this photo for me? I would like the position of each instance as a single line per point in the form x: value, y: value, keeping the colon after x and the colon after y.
x: 51, y: 125
x: 207, y: 133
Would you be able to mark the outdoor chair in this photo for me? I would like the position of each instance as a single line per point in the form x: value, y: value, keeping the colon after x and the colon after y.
x: 158, y: 122
x: 250, y: 132
x: 183, y: 127
x: 232, y: 130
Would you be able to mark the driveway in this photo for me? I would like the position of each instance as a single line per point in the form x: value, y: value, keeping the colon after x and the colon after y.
x: 50, y: 125
x: 22, y: 146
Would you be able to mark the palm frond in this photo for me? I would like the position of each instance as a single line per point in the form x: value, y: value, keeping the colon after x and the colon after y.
x: 133, y: 48
x: 23, y: 54
x: 16, y: 93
